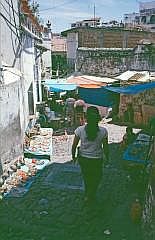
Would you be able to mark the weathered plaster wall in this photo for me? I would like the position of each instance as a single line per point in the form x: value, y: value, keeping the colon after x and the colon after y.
x: 10, y: 46
x: 10, y: 128
x: 21, y: 78
x: 27, y: 68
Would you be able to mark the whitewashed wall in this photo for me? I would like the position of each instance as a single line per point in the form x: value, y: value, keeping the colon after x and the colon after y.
x: 18, y: 74
x: 10, y: 47
x: 10, y: 129
x: 46, y: 57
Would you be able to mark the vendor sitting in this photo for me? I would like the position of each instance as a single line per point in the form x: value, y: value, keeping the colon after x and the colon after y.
x: 129, y: 137
x: 50, y: 115
x: 42, y: 119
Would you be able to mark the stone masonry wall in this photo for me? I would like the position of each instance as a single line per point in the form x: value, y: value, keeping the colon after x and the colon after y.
x: 101, y: 63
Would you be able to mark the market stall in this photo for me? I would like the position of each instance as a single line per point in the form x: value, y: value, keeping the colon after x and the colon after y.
x: 138, y: 151
x: 19, y: 176
x: 137, y: 162
x: 40, y: 145
x: 19, y: 182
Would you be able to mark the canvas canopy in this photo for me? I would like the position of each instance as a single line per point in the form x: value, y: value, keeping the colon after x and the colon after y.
x: 85, y: 81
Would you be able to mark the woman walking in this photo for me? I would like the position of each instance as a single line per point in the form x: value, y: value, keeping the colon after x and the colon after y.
x: 93, y: 141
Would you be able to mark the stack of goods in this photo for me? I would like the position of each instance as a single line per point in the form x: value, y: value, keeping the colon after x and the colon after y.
x: 17, y: 182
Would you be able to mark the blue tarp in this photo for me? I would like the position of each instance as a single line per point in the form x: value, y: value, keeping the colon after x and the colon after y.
x: 137, y: 153
x: 132, y: 89
x: 55, y: 86
x: 98, y: 96
x: 62, y: 87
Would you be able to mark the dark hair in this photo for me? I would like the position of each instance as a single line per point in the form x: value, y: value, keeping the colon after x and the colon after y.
x: 93, y: 117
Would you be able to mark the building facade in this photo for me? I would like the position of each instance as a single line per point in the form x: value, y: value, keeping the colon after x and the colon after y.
x: 131, y: 20
x: 93, y: 22
x: 147, y: 15
x: 59, y: 56
x: 46, y: 56
x: 145, y: 19
x: 114, y: 46
x: 20, y: 76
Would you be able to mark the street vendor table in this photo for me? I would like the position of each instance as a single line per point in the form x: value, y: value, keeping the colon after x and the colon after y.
x: 40, y: 145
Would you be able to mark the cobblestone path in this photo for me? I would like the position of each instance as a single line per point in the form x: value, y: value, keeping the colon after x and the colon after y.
x: 53, y: 209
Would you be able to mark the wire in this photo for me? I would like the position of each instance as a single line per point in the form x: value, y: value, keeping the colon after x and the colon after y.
x: 4, y: 8
x: 13, y: 40
x: 13, y: 11
x: 65, y: 3
x: 9, y: 5
x: 8, y: 23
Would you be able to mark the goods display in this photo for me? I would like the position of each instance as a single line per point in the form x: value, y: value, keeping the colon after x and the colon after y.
x: 18, y: 176
x: 40, y: 145
x: 138, y: 150
x: 19, y: 182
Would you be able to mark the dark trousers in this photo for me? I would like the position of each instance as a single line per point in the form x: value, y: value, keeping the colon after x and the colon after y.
x: 92, y: 173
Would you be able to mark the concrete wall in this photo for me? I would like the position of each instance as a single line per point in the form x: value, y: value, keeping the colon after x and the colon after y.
x: 46, y: 57
x: 10, y: 90
x: 31, y: 81
x: 10, y: 47
x: 10, y: 128
x: 20, y: 79
x: 27, y: 68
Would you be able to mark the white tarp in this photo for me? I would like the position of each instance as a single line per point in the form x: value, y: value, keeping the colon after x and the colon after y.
x: 143, y: 76
x: 100, y: 79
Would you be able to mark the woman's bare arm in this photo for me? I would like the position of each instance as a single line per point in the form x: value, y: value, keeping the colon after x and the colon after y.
x: 74, y: 146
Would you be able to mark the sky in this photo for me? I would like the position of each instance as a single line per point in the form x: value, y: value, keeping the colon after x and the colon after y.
x: 61, y: 13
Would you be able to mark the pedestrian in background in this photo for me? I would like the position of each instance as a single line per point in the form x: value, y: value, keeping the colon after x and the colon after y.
x: 69, y: 111
x: 79, y: 107
x: 128, y: 137
x: 93, y: 142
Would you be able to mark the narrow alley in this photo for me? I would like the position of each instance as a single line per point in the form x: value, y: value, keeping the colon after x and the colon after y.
x: 77, y: 84
x: 54, y: 207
